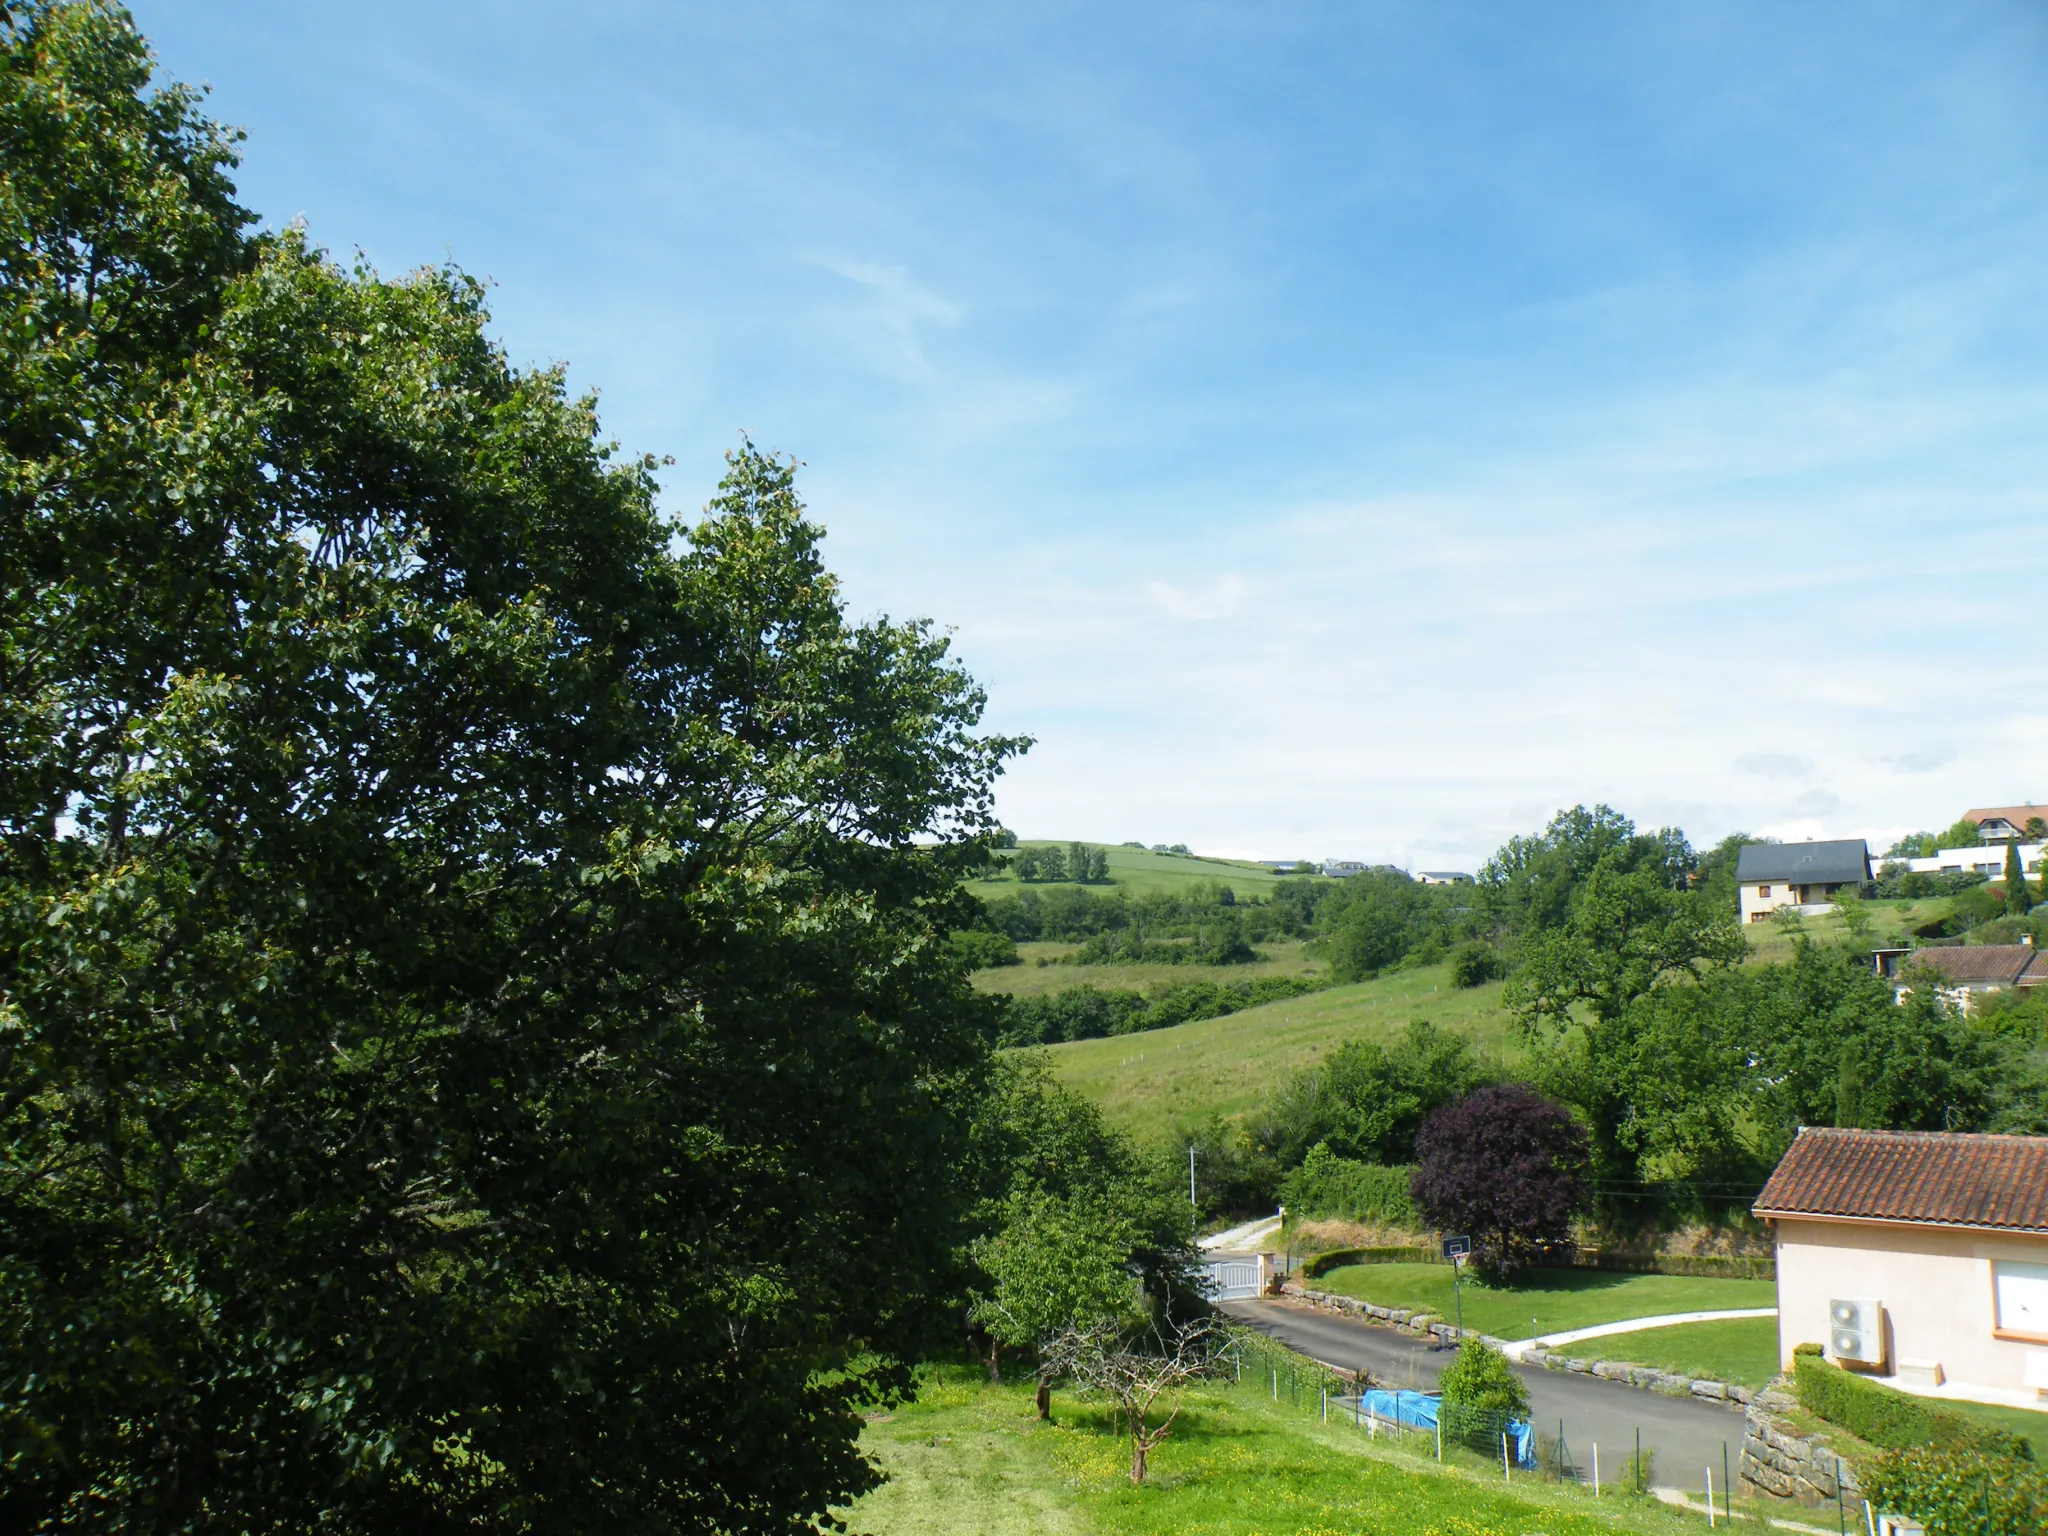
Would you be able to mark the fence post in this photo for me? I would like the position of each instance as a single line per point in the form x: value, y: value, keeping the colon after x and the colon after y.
x: 1596, y: 1469
x: 1710, y: 1496
x: 1639, y: 1458
x: 1505, y: 1475
x: 1727, y: 1485
x: 1326, y: 1405
x: 1439, y: 1432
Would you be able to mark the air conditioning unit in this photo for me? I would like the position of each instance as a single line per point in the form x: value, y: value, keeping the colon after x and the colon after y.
x: 1856, y: 1331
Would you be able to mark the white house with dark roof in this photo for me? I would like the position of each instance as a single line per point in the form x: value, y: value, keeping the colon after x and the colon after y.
x: 1803, y: 875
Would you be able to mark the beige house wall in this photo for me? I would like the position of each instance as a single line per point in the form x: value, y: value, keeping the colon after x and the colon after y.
x: 1753, y: 906
x: 1935, y: 1286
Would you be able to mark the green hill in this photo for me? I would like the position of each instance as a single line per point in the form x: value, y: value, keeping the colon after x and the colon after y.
x: 1145, y: 1082
x: 1138, y: 871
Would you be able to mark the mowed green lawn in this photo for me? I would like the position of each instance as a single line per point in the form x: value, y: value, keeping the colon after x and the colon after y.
x: 1147, y: 1082
x: 1284, y: 957
x: 1744, y: 1351
x: 1139, y: 872
x: 1552, y: 1301
x: 969, y: 1459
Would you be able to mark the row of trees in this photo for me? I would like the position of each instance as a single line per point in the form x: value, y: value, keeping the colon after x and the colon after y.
x: 1077, y: 862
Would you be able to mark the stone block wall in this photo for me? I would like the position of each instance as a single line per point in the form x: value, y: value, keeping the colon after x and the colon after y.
x: 1777, y: 1461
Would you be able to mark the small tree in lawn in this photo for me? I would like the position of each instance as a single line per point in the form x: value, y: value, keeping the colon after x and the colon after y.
x: 1481, y: 1392
x: 1505, y: 1165
x: 1140, y: 1371
x: 1056, y: 1266
x: 2019, y: 901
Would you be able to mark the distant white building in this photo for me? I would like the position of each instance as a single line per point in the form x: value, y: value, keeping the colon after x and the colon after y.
x: 1980, y: 861
x: 1443, y: 877
x: 1803, y: 875
x: 1343, y: 867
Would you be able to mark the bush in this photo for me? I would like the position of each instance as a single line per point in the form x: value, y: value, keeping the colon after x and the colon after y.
x: 1890, y: 1418
x: 1476, y: 963
x: 978, y: 949
x: 1958, y: 1494
x: 1326, y: 1185
x: 1481, y: 1392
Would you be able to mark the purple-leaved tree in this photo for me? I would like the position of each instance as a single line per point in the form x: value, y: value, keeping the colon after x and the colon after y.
x: 1506, y: 1166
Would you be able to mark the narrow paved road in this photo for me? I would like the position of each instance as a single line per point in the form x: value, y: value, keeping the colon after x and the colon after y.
x: 1686, y: 1433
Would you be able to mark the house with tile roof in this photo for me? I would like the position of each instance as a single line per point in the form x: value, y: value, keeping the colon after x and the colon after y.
x: 2010, y: 823
x: 1918, y: 1257
x: 1965, y: 972
x: 1803, y: 875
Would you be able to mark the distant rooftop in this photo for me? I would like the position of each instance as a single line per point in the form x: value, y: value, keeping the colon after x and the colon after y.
x: 2004, y: 965
x: 1844, y: 861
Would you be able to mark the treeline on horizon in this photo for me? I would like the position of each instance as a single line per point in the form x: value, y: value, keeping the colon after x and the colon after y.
x: 1630, y: 1002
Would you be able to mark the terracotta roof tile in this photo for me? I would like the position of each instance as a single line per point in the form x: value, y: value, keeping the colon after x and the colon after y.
x: 2004, y: 964
x: 1931, y: 1177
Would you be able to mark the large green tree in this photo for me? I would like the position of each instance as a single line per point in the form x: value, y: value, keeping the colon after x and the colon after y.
x: 1627, y: 931
x: 477, y: 1045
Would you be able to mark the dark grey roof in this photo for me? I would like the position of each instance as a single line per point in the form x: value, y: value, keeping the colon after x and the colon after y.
x: 1805, y: 863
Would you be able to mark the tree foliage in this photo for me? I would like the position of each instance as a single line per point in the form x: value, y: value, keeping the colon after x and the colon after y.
x: 2019, y: 900
x: 1505, y: 1166
x: 1366, y: 1100
x: 477, y: 1044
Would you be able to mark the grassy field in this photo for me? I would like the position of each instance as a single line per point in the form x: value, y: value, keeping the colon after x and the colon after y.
x: 1285, y: 957
x: 1553, y: 1301
x: 968, y: 1459
x: 1889, y: 920
x: 1138, y: 872
x: 1744, y: 1351
x: 1146, y: 1082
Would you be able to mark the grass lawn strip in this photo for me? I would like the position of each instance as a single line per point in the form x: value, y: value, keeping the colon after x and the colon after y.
x: 1743, y: 1351
x: 1553, y: 1301
x: 971, y: 1459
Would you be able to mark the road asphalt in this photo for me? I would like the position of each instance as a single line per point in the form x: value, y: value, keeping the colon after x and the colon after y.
x: 1687, y: 1434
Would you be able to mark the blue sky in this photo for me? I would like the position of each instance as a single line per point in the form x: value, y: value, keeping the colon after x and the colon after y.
x: 1352, y: 430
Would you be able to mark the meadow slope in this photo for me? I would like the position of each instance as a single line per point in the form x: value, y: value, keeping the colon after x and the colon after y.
x: 1146, y: 1082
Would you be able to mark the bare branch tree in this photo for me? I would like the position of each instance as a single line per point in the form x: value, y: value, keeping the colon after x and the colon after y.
x: 1139, y: 1372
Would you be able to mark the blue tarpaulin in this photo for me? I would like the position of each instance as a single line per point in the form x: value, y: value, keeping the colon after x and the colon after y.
x: 1417, y: 1410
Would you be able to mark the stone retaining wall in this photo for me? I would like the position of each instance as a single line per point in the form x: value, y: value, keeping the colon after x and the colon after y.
x: 1786, y: 1465
x: 1429, y: 1325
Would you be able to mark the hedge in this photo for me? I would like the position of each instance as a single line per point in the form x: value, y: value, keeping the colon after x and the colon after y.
x: 1699, y: 1265
x: 1955, y: 1493
x: 1323, y: 1263
x: 1326, y: 1185
x: 1890, y: 1418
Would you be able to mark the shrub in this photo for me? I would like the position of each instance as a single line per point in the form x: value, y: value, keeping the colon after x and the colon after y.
x: 1959, y: 1494
x: 1481, y: 1392
x: 1475, y: 963
x: 1326, y: 1185
x: 978, y: 949
x: 1890, y: 1418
